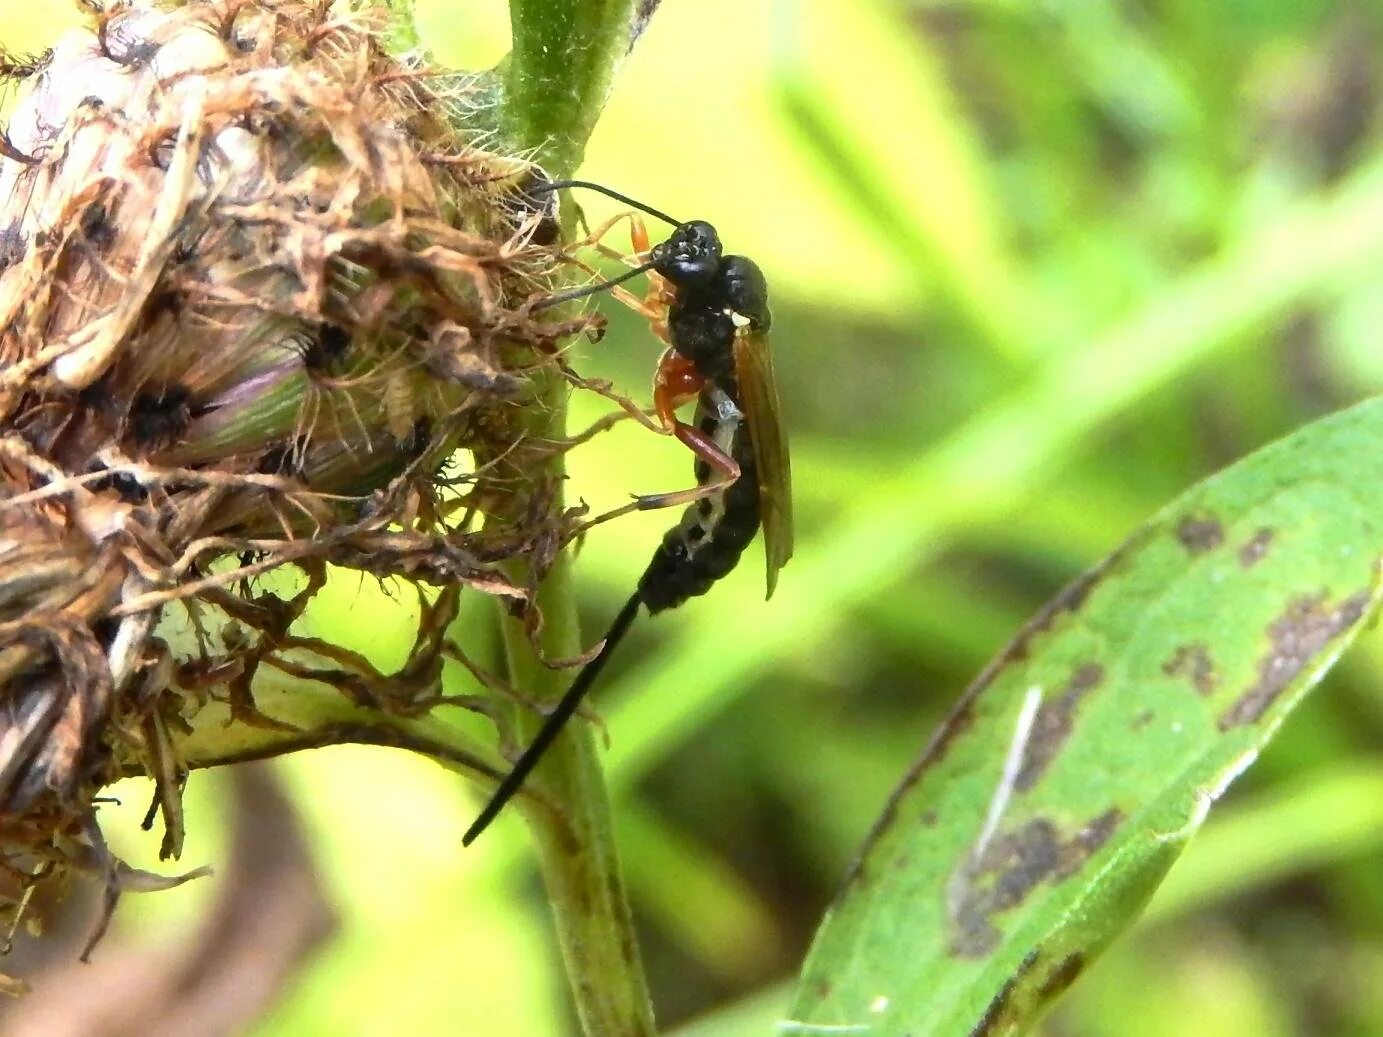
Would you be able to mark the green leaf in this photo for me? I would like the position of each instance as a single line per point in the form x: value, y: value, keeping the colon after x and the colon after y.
x: 1052, y: 801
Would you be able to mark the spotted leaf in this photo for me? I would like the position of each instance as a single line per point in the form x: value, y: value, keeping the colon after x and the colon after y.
x: 1072, y: 773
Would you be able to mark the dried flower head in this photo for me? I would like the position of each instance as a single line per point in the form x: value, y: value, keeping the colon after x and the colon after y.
x: 258, y: 282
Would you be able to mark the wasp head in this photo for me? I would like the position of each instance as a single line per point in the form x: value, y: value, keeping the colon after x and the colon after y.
x: 691, y: 256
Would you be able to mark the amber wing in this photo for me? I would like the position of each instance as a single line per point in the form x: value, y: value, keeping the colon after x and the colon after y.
x: 759, y: 394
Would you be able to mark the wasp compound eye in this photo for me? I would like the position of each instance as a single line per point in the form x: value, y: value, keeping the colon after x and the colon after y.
x: 691, y: 256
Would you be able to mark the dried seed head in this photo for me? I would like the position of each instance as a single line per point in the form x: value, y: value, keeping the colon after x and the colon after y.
x: 256, y: 285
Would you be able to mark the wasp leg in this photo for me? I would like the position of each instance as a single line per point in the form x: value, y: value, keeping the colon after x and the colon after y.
x: 628, y: 406
x: 724, y: 471
x: 596, y: 239
x: 724, y: 468
x: 638, y: 235
x: 660, y: 295
x: 675, y: 382
x: 653, y: 308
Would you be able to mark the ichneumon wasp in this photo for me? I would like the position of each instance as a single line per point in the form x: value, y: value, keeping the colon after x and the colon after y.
x: 712, y: 310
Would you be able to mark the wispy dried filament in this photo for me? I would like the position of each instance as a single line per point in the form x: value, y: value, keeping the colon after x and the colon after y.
x: 258, y: 283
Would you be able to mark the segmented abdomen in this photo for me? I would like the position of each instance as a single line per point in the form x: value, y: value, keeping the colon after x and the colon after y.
x: 714, y: 531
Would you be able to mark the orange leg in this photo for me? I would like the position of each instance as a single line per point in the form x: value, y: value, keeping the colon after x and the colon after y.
x: 660, y: 295
x: 653, y: 307
x: 724, y: 466
x: 726, y: 470
x: 676, y: 382
x: 656, y: 317
x: 595, y: 238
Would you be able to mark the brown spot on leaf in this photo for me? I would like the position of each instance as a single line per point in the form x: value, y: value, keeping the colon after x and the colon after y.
x: 1089, y: 840
x: 1142, y: 720
x: 997, y: 1012
x: 1295, y: 639
x: 1053, y: 725
x: 1001, y: 1007
x: 1070, y: 600
x: 1194, y: 663
x: 1032, y: 985
x: 1200, y: 533
x: 1061, y: 977
x: 1255, y: 549
x: 1010, y: 867
x: 960, y: 720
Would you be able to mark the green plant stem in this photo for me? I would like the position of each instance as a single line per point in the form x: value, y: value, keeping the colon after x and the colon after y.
x: 556, y: 80
x: 575, y: 842
x: 559, y: 73
x: 576, y: 847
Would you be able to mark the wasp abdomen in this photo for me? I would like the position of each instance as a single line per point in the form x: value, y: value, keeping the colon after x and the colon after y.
x: 706, y: 545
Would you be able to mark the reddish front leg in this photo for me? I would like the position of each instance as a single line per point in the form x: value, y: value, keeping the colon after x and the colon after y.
x: 677, y: 382
x: 654, y: 305
x: 660, y: 295
x: 726, y: 470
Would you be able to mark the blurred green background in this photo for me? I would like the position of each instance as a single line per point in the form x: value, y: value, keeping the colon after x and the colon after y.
x: 1037, y: 267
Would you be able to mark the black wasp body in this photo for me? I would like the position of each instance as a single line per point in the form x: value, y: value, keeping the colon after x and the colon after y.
x: 714, y: 531
x: 715, y: 299
x: 712, y: 310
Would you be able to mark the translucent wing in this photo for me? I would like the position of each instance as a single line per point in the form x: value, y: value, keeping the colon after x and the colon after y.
x: 759, y: 393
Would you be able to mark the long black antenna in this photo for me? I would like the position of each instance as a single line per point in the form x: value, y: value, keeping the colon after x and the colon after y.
x: 592, y: 289
x: 556, y: 720
x: 559, y: 185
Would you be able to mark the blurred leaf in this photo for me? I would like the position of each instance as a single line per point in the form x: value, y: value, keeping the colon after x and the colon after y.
x: 926, y: 193
x: 1202, y: 982
x: 1135, y: 83
x: 1074, y: 771
x: 752, y: 1015
x: 698, y: 899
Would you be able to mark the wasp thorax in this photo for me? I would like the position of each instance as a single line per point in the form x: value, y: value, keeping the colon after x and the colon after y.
x: 258, y: 282
x: 746, y: 292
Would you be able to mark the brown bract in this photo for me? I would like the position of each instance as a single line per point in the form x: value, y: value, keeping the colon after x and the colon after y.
x: 259, y: 284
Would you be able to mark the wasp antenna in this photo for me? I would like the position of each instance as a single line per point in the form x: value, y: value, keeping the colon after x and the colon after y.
x: 559, y: 185
x: 552, y: 726
x: 591, y: 289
